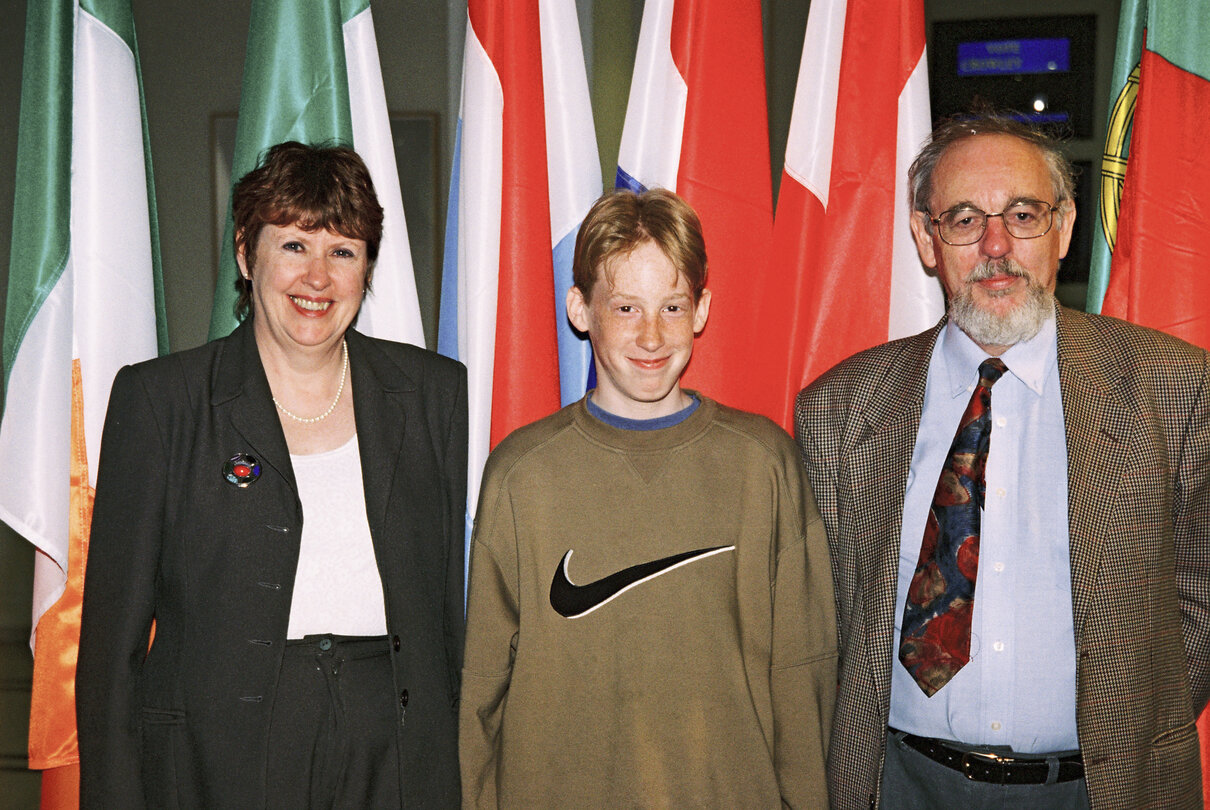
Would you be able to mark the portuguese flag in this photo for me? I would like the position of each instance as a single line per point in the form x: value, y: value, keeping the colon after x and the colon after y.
x: 1151, y: 254
x: 1156, y: 179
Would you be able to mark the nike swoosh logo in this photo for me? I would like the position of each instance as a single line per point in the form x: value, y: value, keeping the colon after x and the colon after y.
x: 573, y: 601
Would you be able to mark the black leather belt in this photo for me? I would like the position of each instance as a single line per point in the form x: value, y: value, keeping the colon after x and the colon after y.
x: 1000, y: 769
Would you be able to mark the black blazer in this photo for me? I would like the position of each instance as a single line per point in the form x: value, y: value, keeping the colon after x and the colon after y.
x: 187, y: 723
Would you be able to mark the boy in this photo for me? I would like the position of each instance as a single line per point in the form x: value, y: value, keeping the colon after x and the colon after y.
x: 650, y: 619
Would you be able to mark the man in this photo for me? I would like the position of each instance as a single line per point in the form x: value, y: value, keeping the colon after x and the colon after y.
x: 650, y: 617
x: 1054, y: 459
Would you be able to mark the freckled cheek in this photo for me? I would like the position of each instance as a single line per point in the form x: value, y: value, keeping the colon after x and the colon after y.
x: 679, y: 332
x: 623, y: 341
x: 618, y: 330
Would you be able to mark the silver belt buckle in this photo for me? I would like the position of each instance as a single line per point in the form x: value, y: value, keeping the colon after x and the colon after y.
x: 986, y: 756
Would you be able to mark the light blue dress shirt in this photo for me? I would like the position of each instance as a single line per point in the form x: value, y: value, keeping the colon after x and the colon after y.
x: 1019, y: 688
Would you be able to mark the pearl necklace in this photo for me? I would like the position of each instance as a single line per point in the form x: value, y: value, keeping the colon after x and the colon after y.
x: 344, y: 370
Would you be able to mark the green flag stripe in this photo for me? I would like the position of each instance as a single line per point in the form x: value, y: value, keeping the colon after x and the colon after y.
x: 295, y: 87
x: 351, y: 8
x: 41, y: 216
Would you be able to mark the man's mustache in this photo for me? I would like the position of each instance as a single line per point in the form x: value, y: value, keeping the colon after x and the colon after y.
x: 997, y: 267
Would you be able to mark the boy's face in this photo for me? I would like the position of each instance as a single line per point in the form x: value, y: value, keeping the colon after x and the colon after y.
x: 642, y: 321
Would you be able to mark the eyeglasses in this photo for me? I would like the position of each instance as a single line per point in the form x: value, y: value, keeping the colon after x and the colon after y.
x: 1026, y: 219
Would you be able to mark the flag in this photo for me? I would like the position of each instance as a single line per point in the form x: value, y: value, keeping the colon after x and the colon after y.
x: 1158, y: 275
x: 573, y: 173
x: 841, y: 236
x: 312, y: 74
x: 1149, y: 250
x: 525, y: 172
x: 1124, y: 92
x: 84, y: 299
x: 696, y: 124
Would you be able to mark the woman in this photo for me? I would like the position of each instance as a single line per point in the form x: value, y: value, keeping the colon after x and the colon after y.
x: 286, y: 506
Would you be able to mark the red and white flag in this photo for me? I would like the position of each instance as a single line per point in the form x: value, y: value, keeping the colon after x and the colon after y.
x: 841, y: 237
x: 525, y: 172
x: 696, y: 123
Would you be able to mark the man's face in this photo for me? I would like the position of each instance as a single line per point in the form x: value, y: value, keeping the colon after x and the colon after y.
x: 642, y: 321
x: 999, y: 288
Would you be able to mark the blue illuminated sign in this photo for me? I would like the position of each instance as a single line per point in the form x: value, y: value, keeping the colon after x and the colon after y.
x: 1006, y: 57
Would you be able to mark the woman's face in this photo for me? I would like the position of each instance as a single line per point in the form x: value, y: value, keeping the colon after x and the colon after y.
x: 307, y: 286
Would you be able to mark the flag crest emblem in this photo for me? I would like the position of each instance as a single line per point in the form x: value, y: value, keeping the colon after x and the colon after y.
x: 1113, y: 161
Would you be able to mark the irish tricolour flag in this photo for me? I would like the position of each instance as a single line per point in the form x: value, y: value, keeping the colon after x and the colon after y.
x: 312, y: 74
x: 525, y: 172
x: 84, y: 299
x: 861, y: 111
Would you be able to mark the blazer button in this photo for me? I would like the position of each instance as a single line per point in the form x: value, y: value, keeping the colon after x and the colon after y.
x: 395, y: 643
x: 403, y: 699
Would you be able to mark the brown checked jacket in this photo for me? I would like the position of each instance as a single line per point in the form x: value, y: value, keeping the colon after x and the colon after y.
x: 1137, y: 415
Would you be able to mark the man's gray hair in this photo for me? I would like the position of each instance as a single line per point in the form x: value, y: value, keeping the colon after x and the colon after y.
x: 949, y: 132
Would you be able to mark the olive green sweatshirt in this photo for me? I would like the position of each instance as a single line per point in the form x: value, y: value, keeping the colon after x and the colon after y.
x: 650, y: 619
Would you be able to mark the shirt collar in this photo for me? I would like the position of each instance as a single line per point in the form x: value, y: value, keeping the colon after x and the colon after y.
x: 656, y: 423
x: 1029, y: 361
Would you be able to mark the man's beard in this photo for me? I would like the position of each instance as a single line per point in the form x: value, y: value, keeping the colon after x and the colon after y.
x: 991, y: 328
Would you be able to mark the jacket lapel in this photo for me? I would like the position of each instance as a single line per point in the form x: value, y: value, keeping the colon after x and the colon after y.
x: 380, y: 392
x: 1098, y: 426
x: 380, y: 403
x: 239, y: 379
x: 877, y: 469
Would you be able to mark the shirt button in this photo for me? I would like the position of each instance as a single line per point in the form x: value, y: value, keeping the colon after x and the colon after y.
x: 325, y: 644
x: 998, y: 646
x: 996, y: 725
x: 998, y: 566
x: 403, y: 699
x: 1001, y: 492
x: 1001, y: 421
x: 395, y: 643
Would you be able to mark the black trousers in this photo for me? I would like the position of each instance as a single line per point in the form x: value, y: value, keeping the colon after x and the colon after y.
x: 332, y: 740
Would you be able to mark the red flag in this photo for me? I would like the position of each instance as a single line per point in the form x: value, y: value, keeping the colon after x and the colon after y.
x: 525, y: 170
x: 697, y: 124
x: 526, y: 374
x: 841, y: 242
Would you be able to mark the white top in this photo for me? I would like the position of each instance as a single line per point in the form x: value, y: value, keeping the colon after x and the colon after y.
x: 337, y: 588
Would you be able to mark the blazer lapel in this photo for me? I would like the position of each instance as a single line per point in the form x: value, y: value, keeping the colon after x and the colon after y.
x: 240, y: 379
x: 877, y: 469
x: 1098, y: 426
x: 381, y: 391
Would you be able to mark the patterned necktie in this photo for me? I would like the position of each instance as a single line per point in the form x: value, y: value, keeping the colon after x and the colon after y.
x: 936, y: 639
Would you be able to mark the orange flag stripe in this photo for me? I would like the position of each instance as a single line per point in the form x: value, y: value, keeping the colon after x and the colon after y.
x: 52, y: 730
